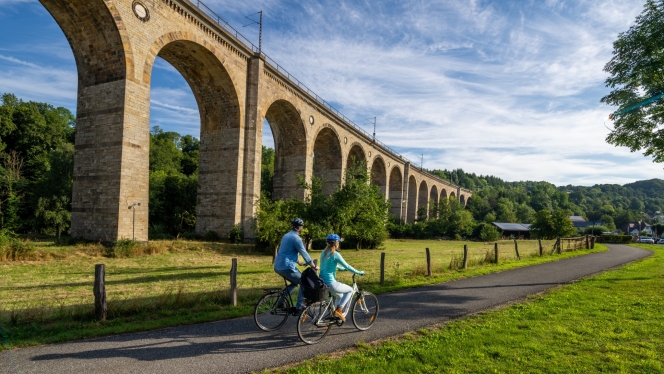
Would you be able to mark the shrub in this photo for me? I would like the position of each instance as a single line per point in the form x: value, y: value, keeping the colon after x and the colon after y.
x: 598, y: 230
x: 13, y: 248
x: 158, y: 231
x: 236, y: 235
x: 124, y: 248
x: 211, y: 236
x: 489, y: 233
x: 615, y: 239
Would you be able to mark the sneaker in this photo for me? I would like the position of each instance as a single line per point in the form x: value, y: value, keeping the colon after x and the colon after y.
x: 340, y: 314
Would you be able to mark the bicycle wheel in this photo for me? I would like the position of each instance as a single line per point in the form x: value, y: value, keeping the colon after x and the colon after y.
x: 268, y: 314
x: 365, y: 310
x: 314, y: 323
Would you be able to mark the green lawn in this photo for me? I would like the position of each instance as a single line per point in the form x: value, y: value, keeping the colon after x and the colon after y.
x: 50, y: 300
x: 611, y: 323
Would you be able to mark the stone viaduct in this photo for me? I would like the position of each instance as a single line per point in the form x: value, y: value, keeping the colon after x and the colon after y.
x: 115, y: 44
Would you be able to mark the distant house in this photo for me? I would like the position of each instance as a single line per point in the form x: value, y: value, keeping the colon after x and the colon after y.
x: 514, y: 229
x: 581, y: 223
x: 634, y: 228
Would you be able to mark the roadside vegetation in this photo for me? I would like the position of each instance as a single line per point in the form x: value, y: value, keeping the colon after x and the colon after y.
x: 608, y: 323
x: 48, y: 298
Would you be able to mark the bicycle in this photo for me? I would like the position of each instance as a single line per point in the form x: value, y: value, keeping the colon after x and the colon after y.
x: 318, y: 317
x: 274, y: 307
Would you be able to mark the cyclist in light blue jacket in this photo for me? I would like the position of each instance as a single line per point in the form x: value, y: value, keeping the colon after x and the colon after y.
x: 330, y: 261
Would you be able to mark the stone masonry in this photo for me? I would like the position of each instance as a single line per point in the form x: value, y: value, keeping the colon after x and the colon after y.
x: 115, y: 44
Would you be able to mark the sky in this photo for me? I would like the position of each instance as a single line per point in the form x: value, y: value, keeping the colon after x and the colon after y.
x: 504, y: 88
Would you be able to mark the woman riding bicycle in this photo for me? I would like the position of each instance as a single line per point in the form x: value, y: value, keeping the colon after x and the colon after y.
x: 330, y: 261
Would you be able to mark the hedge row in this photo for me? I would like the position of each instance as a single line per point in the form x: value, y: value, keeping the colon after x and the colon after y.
x: 615, y: 239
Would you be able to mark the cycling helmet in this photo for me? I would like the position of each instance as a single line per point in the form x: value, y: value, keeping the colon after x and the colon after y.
x: 297, y: 222
x: 333, y: 237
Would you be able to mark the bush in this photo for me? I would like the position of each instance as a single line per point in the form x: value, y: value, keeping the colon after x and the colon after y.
x: 615, y: 239
x: 13, y: 248
x: 158, y: 231
x: 489, y: 233
x: 124, y: 248
x: 211, y: 236
x: 236, y: 235
x: 598, y: 230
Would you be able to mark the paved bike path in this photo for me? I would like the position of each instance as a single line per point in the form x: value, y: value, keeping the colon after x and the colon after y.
x: 236, y: 346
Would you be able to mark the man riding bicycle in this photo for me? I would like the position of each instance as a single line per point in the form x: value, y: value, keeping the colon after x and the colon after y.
x: 286, y: 261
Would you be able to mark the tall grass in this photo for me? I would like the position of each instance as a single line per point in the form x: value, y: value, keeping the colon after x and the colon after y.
x: 14, y: 249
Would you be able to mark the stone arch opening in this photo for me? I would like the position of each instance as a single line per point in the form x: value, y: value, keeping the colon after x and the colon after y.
x: 328, y: 160
x: 217, y: 208
x: 433, y: 202
x: 396, y: 192
x: 104, y: 62
x: 356, y: 154
x: 443, y: 193
x: 462, y: 200
x: 379, y: 175
x: 290, y: 147
x: 412, y: 199
x: 452, y: 194
x: 423, y: 202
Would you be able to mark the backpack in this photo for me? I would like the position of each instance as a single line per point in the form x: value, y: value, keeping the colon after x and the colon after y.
x: 314, y: 288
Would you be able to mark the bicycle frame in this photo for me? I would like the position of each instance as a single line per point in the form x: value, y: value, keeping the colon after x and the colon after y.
x: 329, y: 307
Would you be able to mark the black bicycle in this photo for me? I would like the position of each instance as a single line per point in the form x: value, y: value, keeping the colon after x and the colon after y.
x: 274, y: 307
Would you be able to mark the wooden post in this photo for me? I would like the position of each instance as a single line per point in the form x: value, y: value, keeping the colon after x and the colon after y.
x: 100, y: 292
x: 592, y: 243
x: 274, y: 256
x: 516, y: 249
x: 234, y: 282
x: 465, y: 256
x: 587, y: 241
x: 428, y: 262
x: 559, y: 243
x: 495, y: 251
x: 539, y: 241
x: 382, y: 268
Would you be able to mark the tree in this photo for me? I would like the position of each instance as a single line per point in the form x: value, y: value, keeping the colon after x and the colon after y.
x: 272, y: 221
x: 359, y: 210
x: 267, y: 171
x: 636, y: 79
x: 53, y: 210
x: 542, y: 226
x: 489, y: 233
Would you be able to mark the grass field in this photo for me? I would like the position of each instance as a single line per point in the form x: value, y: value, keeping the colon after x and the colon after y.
x: 51, y: 300
x: 611, y: 323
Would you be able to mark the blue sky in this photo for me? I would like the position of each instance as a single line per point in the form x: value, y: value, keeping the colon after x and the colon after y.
x: 506, y: 88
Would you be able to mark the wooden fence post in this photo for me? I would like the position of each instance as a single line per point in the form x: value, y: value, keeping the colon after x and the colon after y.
x: 587, y: 241
x: 541, y: 250
x: 495, y: 252
x: 234, y: 282
x: 382, y: 268
x: 516, y: 249
x: 592, y: 243
x: 559, y: 243
x: 429, y: 273
x: 100, y: 292
x: 465, y: 256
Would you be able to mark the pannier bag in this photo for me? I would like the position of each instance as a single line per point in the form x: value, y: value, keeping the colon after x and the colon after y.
x: 313, y: 286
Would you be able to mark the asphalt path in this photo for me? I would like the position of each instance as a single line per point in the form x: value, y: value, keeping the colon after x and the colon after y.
x: 237, y: 346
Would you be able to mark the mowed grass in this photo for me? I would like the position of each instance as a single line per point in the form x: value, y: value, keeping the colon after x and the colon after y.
x: 188, y: 282
x: 610, y: 323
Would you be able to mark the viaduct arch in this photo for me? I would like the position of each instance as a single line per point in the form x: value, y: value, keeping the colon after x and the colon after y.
x: 115, y: 44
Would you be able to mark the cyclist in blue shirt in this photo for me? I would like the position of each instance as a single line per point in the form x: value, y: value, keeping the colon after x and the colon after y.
x: 330, y: 262
x: 286, y: 261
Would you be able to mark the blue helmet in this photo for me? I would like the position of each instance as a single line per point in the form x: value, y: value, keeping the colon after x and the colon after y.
x: 333, y: 237
x: 297, y: 222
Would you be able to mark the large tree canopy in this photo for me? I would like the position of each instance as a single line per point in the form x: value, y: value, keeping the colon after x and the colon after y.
x: 637, y: 75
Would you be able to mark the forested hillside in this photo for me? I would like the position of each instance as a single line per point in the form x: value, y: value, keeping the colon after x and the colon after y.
x: 36, y: 176
x: 517, y: 201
